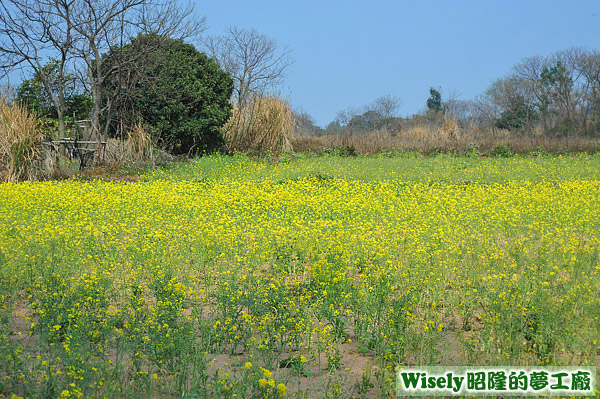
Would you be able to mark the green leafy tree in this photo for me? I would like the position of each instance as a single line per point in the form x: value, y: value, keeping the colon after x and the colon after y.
x: 34, y: 95
x: 558, y: 81
x: 518, y: 116
x: 556, y: 76
x: 434, y: 102
x: 179, y: 93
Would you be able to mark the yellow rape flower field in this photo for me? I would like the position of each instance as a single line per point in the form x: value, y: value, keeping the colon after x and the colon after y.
x: 308, y: 277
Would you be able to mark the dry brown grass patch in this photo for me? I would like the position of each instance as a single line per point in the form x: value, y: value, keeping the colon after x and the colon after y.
x: 265, y: 124
x: 136, y: 148
x: 21, y: 151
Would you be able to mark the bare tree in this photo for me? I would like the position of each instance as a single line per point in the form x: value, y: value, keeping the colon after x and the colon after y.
x: 344, y: 116
x: 102, y: 24
x: 460, y: 110
x: 29, y: 31
x: 383, y: 107
x: 257, y: 64
x: 304, y: 124
x: 573, y: 87
x: 170, y: 19
x: 98, y: 25
x: 559, y: 87
x: 255, y: 61
x: 589, y: 64
x: 485, y: 112
x: 451, y: 97
x: 79, y: 32
x: 387, y: 106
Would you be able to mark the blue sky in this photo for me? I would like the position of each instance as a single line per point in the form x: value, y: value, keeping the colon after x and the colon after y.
x: 347, y: 53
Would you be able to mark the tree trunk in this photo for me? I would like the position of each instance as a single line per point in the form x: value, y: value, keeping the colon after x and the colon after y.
x: 61, y: 122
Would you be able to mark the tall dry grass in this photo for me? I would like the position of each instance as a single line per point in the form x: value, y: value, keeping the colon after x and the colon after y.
x: 265, y: 124
x: 136, y: 148
x: 21, y: 150
x: 447, y: 138
x: 139, y: 144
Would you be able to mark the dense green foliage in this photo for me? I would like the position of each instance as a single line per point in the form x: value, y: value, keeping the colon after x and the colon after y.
x: 434, y: 102
x: 38, y: 100
x: 178, y: 92
x: 518, y: 116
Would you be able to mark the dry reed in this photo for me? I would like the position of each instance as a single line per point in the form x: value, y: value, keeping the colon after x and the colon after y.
x: 21, y: 151
x: 139, y: 144
x: 136, y: 148
x: 265, y: 124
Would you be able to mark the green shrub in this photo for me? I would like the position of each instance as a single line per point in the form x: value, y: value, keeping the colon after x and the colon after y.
x: 341, y: 150
x: 502, y: 151
x: 181, y: 96
x: 473, y: 150
x: 519, y: 115
x: 539, y: 151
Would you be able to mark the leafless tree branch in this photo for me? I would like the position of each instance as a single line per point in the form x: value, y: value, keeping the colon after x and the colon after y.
x: 78, y: 33
x: 255, y: 61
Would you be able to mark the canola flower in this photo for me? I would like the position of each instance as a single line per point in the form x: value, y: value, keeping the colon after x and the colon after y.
x: 121, y: 289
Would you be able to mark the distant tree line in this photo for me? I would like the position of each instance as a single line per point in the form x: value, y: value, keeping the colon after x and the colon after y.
x: 559, y: 94
x: 556, y: 95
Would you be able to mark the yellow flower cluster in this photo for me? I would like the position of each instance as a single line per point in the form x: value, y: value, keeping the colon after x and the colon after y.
x: 287, y: 268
